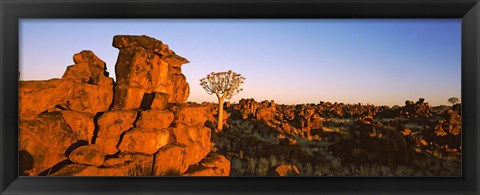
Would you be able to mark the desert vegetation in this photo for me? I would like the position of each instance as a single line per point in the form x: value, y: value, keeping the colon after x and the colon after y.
x: 325, y: 139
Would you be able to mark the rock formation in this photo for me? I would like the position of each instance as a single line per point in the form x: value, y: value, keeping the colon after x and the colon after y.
x: 85, y: 124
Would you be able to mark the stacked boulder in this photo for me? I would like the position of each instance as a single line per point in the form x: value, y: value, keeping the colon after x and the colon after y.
x: 87, y: 125
x: 59, y: 113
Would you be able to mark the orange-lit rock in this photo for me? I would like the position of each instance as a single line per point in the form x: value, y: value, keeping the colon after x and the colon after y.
x: 125, y: 41
x: 88, y: 155
x: 170, y: 159
x: 87, y: 56
x: 93, y: 91
x: 265, y: 114
x: 81, y: 124
x: 219, y: 164
x: 191, y: 114
x: 45, y: 139
x: 87, y: 170
x: 91, y: 98
x: 110, y: 126
x: 127, y: 98
x: 195, y: 138
x: 175, y: 60
x: 285, y: 170
x: 139, y: 165
x: 88, y: 68
x: 145, y: 141
x: 159, y: 101
x: 198, y: 170
x: 146, y: 63
x: 180, y: 91
x: 155, y: 119
x: 35, y: 97
x: 138, y: 67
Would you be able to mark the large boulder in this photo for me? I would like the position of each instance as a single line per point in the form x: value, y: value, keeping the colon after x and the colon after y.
x: 284, y: 170
x: 87, y: 170
x: 145, y: 141
x: 81, y: 124
x: 93, y: 90
x: 138, y: 67
x: 88, y: 68
x: 170, y: 159
x: 154, y: 101
x: 35, y: 97
x: 88, y: 155
x: 91, y: 98
x: 127, y: 98
x: 155, y: 119
x: 125, y: 41
x: 180, y: 90
x: 148, y: 64
x: 110, y: 126
x: 196, y: 139
x: 191, y: 114
x: 45, y: 139
x: 138, y: 165
x: 218, y: 163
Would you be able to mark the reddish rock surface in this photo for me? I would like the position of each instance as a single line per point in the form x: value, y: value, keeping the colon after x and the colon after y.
x: 35, y: 97
x: 285, y: 170
x: 110, y: 126
x: 171, y: 159
x: 155, y: 119
x: 146, y: 63
x: 195, y: 138
x: 219, y: 164
x: 93, y: 90
x: 81, y: 124
x: 159, y: 101
x: 88, y: 155
x: 45, y: 139
x: 133, y: 167
x: 127, y: 98
x: 144, y: 141
x: 191, y: 114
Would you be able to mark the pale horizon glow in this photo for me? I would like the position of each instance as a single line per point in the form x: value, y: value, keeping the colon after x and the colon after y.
x: 368, y: 61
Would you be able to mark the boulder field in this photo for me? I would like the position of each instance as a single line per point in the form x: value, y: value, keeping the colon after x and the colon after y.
x: 87, y: 124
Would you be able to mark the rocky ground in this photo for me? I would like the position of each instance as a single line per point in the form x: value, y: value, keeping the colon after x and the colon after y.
x: 325, y: 139
x: 87, y: 124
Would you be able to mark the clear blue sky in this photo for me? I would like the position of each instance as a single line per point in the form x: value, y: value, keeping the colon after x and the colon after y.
x: 381, y: 62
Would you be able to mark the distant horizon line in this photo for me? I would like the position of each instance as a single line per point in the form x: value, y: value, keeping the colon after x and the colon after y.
x: 362, y: 104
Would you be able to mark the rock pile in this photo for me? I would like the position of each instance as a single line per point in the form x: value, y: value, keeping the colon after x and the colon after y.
x: 85, y: 124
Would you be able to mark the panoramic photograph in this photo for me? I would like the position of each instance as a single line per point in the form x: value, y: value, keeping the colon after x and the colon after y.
x: 240, y: 97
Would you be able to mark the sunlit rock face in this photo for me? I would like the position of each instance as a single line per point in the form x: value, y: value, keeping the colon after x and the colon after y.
x: 86, y: 124
x: 145, y: 66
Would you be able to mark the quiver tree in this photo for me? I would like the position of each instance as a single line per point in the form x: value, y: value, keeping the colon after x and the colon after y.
x: 453, y: 100
x: 223, y: 85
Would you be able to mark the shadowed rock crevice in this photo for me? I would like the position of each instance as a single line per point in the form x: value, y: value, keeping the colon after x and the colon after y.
x: 25, y: 162
x: 74, y: 146
x: 95, y: 131
x: 147, y: 101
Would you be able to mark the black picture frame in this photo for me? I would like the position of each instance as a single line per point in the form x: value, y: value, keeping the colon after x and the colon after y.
x: 11, y: 11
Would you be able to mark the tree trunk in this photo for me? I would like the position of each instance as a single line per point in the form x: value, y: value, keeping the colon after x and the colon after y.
x: 220, y: 114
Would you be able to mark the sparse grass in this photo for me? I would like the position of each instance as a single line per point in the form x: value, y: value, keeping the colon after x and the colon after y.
x: 251, y: 164
x: 434, y: 163
x: 236, y: 167
x: 262, y: 167
x: 141, y: 169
